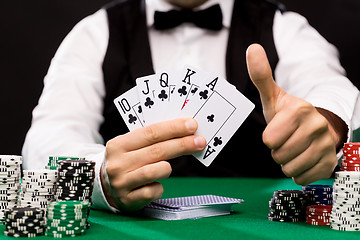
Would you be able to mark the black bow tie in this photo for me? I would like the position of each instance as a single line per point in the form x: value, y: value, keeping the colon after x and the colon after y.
x: 210, y: 18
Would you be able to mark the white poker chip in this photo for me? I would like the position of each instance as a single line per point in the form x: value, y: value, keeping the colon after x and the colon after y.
x: 347, y: 174
x: 345, y: 218
x: 346, y: 195
x: 354, y: 182
x: 345, y: 192
x: 11, y: 159
x: 346, y: 184
x: 344, y: 227
x: 341, y: 199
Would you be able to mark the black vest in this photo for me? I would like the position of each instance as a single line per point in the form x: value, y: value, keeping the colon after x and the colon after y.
x: 129, y: 56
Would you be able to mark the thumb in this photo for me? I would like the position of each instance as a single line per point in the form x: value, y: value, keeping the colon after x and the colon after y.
x: 261, y: 75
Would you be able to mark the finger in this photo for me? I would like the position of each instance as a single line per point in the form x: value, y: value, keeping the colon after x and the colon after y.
x: 148, y: 174
x: 322, y: 170
x: 323, y: 146
x: 163, y: 151
x: 139, y: 197
x: 155, y: 133
x: 314, y: 131
x: 301, y: 163
x: 260, y: 73
x: 275, y: 134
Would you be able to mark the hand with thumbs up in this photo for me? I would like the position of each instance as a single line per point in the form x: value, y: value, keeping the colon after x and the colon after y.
x: 302, y: 140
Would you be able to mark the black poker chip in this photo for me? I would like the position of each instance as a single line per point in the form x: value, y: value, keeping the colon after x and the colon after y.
x: 287, y: 206
x: 283, y: 219
x: 24, y: 222
x: 75, y: 180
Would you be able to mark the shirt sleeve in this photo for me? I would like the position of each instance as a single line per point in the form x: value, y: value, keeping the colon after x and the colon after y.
x: 69, y: 112
x: 309, y: 67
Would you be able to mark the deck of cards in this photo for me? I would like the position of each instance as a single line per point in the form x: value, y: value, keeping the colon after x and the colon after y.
x: 217, y: 106
x: 190, y: 207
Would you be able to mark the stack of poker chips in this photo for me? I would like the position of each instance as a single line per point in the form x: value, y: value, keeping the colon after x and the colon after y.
x: 67, y: 218
x: 53, y: 161
x: 10, y: 174
x: 37, y: 188
x: 318, y: 214
x: 288, y: 206
x: 319, y: 194
x: 345, y: 215
x: 75, y: 180
x: 351, y: 157
x: 24, y: 222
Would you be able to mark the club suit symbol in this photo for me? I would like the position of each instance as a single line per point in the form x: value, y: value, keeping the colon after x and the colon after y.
x: 149, y: 102
x: 182, y: 91
x: 163, y: 95
x: 204, y: 94
x: 132, y: 119
x: 210, y: 118
x: 217, y: 141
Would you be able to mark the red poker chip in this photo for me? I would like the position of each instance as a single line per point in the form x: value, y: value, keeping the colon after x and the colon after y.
x: 351, y: 151
x: 319, y: 215
x: 349, y: 156
x: 351, y: 144
x: 319, y: 208
x: 350, y: 162
x: 353, y: 169
x: 318, y: 220
x: 318, y: 223
x: 350, y: 166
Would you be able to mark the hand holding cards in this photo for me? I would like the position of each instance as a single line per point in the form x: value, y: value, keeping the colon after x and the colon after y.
x: 215, y: 104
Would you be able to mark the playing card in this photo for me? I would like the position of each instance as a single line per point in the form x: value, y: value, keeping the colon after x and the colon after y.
x: 191, y: 201
x: 187, y: 83
x: 221, y: 113
x: 190, y: 207
x: 128, y: 105
x: 217, y: 106
x: 147, y: 96
x: 163, y: 85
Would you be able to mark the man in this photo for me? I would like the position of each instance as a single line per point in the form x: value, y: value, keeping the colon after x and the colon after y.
x: 303, y: 117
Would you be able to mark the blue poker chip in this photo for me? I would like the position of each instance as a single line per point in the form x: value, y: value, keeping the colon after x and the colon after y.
x: 324, y: 188
x: 322, y: 196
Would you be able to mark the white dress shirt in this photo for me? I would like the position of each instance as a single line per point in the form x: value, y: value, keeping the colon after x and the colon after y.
x: 69, y: 114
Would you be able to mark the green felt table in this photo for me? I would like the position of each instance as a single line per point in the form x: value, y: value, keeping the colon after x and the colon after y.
x: 248, y: 220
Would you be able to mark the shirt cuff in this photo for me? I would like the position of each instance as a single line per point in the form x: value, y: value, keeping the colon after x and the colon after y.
x: 98, y: 196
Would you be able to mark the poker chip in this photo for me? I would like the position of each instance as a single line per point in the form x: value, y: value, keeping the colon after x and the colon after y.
x: 24, y: 222
x: 351, y: 157
x: 37, y: 188
x: 318, y: 215
x: 10, y: 176
x: 53, y: 161
x: 319, y: 194
x: 67, y: 218
x: 345, y: 215
x: 287, y: 206
x: 75, y: 180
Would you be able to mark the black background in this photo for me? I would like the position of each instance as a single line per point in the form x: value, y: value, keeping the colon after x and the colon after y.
x: 31, y: 31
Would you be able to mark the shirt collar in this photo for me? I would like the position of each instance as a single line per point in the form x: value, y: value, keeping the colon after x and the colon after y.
x: 162, y: 5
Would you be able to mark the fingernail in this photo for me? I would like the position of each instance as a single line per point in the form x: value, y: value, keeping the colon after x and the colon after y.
x: 191, y: 124
x: 199, y: 142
